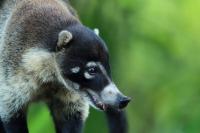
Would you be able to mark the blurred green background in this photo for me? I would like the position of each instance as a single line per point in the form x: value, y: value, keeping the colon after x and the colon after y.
x: 155, y: 58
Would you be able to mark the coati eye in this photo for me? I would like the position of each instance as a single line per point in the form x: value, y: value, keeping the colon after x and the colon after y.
x: 92, y: 70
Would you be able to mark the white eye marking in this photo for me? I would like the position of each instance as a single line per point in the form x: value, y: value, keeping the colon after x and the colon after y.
x: 91, y: 64
x: 88, y: 76
x: 96, y: 31
x: 75, y: 69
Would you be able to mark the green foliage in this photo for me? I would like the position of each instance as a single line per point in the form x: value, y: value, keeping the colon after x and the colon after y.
x: 155, y: 56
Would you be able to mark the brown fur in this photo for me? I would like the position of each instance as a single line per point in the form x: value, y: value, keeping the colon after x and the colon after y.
x: 32, y: 29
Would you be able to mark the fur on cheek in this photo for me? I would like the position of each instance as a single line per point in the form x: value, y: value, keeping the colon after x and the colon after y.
x: 40, y: 63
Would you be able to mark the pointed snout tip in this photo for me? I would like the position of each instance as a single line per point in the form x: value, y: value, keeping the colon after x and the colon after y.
x: 124, y: 102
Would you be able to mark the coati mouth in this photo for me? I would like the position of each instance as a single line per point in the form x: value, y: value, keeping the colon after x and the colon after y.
x: 97, y: 103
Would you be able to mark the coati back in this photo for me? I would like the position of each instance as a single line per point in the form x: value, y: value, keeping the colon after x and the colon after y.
x: 48, y: 54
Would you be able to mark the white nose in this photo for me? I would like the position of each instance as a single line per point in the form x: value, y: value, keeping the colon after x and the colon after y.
x: 111, y: 96
x: 109, y: 93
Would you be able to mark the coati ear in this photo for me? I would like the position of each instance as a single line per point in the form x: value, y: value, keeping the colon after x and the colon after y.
x: 64, y: 38
x: 96, y: 31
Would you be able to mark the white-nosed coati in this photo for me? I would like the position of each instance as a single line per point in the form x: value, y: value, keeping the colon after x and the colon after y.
x: 47, y: 54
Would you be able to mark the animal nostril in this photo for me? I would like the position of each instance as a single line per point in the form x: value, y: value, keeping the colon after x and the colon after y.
x: 124, y: 102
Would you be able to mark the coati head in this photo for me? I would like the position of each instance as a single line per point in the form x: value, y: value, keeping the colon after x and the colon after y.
x: 84, y: 61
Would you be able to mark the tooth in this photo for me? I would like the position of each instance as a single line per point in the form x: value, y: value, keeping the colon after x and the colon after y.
x: 104, y: 107
x: 94, y: 98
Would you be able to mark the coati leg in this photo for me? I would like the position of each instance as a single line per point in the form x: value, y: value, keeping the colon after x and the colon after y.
x: 68, y: 117
x: 117, y: 121
x: 66, y: 123
x: 1, y: 127
x: 16, y: 124
x: 71, y: 124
